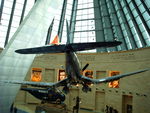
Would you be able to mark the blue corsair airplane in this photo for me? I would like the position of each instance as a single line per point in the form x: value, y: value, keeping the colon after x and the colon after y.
x: 73, y: 68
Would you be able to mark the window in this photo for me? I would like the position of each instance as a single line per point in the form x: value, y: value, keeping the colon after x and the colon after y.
x: 61, y: 75
x: 115, y: 83
x: 89, y: 74
x: 36, y: 74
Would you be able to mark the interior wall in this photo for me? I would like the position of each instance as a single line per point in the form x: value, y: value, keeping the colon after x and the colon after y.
x: 136, y: 86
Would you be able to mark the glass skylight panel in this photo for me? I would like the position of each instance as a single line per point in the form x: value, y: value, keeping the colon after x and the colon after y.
x: 147, y: 2
x: 128, y: 16
x: 29, y: 5
x: 139, y: 45
x: 120, y: 20
x: 79, y: 6
x: 77, y: 28
x: 148, y: 23
x: 6, y: 10
x: 90, y: 1
x: 69, y: 2
x: 131, y: 6
x: 148, y: 41
x: 91, y: 11
x: 83, y: 26
x: 128, y: 44
x: 138, y: 2
x: 18, y: 6
x: 131, y: 23
x: 15, y: 24
x: 135, y: 13
x: 146, y: 37
x: 17, y: 12
x: 128, y: 1
x: 4, y: 22
x: 6, y: 17
x: 8, y: 4
x: 142, y: 29
x: 138, y: 20
x: 122, y: 3
x: 125, y: 33
x: 84, y: 16
x: 133, y: 31
x: 90, y: 4
x: 146, y: 16
x: 16, y: 17
x: 77, y: 39
x: 20, y: 1
x: 142, y: 9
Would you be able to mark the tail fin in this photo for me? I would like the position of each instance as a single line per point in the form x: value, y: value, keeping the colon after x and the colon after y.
x: 55, y: 41
x: 49, y: 32
x: 69, y: 39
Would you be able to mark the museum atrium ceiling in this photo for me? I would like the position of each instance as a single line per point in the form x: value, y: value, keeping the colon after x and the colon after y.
x: 90, y: 20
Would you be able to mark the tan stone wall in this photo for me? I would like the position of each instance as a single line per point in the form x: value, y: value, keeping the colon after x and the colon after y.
x: 132, y: 90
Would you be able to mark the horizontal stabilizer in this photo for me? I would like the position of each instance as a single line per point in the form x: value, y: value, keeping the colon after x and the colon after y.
x: 67, y: 47
x: 35, y: 84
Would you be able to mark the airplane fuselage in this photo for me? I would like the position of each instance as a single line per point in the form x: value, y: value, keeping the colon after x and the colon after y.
x: 73, y: 71
x: 73, y: 67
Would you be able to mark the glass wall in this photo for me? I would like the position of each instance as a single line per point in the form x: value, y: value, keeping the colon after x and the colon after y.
x: 124, y: 20
x: 8, y: 26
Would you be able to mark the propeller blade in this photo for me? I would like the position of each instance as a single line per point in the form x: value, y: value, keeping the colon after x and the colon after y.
x: 85, y: 66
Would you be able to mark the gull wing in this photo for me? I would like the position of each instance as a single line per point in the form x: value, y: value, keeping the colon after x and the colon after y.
x: 43, y: 49
x: 112, y: 78
x: 93, y: 45
x: 65, y: 47
x: 36, y: 84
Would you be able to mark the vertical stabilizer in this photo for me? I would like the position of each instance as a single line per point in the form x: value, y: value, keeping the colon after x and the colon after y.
x: 69, y: 39
x: 49, y: 32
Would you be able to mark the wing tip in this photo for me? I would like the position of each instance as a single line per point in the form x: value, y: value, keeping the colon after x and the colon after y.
x: 117, y: 42
x: 20, y: 51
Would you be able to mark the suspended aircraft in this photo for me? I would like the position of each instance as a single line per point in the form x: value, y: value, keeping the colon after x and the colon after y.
x: 47, y: 95
x: 73, y: 68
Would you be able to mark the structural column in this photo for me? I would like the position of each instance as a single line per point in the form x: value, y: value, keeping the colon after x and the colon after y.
x: 116, y: 25
x: 125, y: 26
x: 73, y: 18
x: 10, y: 22
x: 1, y: 9
x: 62, y: 19
x: 99, y: 31
x: 107, y: 23
x: 23, y: 11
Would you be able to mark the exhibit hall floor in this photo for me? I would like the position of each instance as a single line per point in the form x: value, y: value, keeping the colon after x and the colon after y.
x: 31, y: 108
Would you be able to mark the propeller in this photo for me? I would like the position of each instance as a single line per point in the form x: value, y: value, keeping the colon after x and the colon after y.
x: 85, y: 67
